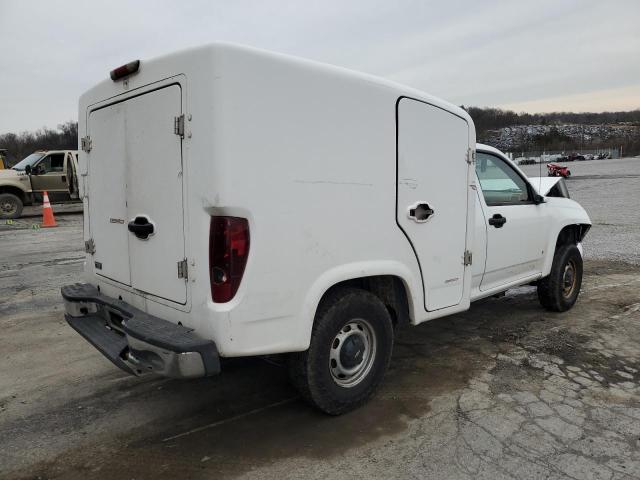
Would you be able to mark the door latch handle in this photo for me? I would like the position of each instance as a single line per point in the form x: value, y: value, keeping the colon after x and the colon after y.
x: 141, y: 227
x: 497, y: 220
x: 420, y: 212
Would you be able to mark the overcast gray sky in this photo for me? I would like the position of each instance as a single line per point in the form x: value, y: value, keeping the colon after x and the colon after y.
x: 541, y: 55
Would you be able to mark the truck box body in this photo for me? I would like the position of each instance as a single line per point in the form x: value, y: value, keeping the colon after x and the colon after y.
x: 324, y: 164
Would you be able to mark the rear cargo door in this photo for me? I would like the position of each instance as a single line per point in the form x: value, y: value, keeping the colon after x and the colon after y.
x: 432, y: 176
x: 136, y: 198
x: 107, y: 176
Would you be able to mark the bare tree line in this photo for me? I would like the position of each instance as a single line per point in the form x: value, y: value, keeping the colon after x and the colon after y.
x: 19, y: 145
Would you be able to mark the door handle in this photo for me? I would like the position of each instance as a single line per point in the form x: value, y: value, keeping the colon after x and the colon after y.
x: 141, y: 227
x: 420, y: 212
x: 497, y: 220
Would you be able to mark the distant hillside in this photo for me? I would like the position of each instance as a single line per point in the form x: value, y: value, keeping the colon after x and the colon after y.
x: 566, y: 131
x: 494, y: 118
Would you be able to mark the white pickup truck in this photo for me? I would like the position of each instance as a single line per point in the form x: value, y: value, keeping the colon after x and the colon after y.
x: 240, y: 202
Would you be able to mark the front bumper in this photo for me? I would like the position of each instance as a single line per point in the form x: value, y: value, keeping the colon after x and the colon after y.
x: 135, y: 341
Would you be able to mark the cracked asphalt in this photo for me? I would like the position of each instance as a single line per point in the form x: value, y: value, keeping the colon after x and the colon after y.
x: 505, y: 390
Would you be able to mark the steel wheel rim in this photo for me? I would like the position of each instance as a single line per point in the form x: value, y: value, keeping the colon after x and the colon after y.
x: 8, y: 207
x: 348, y: 367
x: 569, y: 279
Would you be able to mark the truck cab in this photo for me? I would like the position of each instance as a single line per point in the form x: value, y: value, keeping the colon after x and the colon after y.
x: 518, y: 224
x: 51, y: 171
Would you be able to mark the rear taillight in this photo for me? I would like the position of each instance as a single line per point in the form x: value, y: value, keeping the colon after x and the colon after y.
x: 228, y: 252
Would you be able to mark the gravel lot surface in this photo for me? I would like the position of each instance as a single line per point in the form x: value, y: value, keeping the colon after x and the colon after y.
x: 505, y: 390
x: 610, y: 192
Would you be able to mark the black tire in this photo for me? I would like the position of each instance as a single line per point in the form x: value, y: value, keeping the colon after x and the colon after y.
x: 559, y: 291
x: 568, y: 173
x: 315, y: 372
x: 10, y: 206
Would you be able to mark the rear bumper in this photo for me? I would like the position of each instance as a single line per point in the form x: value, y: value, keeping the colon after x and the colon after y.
x: 135, y: 341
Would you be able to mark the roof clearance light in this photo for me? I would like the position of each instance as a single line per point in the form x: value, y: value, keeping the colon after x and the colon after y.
x: 124, y: 70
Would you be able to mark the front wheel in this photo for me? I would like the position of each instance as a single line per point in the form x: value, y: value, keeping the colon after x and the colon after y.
x: 559, y: 291
x: 10, y: 206
x: 349, y: 353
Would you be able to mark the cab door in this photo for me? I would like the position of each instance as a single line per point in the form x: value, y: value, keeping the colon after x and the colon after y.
x: 49, y: 175
x: 432, y: 196
x: 516, y: 226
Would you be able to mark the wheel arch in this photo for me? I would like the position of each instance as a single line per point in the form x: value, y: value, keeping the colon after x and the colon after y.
x: 17, y: 191
x: 569, y: 234
x: 391, y: 282
x: 390, y: 289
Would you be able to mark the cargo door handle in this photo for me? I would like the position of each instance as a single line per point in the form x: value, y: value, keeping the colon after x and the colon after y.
x: 141, y: 227
x: 497, y: 220
x: 420, y: 212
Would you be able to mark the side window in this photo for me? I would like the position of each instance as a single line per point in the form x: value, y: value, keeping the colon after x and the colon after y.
x: 52, y: 163
x: 500, y: 184
x: 57, y: 162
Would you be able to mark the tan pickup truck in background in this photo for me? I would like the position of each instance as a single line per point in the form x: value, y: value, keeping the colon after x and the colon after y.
x: 53, y: 171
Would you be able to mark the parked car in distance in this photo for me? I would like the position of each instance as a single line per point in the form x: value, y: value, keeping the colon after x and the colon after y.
x: 53, y: 171
x: 554, y: 170
x: 242, y: 203
x: 527, y: 161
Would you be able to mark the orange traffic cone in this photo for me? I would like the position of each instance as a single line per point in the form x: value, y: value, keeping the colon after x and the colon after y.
x: 47, y: 212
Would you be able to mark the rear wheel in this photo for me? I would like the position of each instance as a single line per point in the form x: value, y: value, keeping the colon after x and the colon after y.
x: 349, y: 353
x: 559, y: 291
x: 10, y: 206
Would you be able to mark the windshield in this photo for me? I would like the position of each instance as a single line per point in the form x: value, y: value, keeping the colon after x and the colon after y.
x: 30, y: 160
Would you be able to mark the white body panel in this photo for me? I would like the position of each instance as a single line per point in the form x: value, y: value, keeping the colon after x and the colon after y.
x: 431, y: 139
x: 307, y: 153
x: 514, y: 251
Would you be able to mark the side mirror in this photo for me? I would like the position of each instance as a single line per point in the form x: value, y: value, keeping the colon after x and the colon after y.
x: 27, y: 169
x: 538, y: 199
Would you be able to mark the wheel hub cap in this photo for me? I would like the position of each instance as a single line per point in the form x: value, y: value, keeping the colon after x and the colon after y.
x: 568, y: 279
x: 7, y: 207
x: 352, y: 353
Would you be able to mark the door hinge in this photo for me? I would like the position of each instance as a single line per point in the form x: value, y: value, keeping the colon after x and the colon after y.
x: 183, y: 269
x: 471, y: 155
x: 85, y: 144
x: 468, y: 258
x: 178, y: 125
x: 90, y: 246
